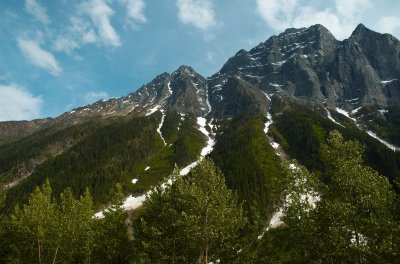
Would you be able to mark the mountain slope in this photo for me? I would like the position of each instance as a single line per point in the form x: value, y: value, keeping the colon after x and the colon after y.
x: 304, y: 80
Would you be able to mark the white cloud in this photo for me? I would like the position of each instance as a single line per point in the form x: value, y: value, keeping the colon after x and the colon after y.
x: 277, y: 13
x: 100, y: 13
x: 77, y: 34
x: 37, y: 10
x: 389, y: 24
x: 66, y: 44
x: 135, y: 11
x: 210, y: 56
x: 352, y: 9
x: 340, y: 20
x: 16, y: 103
x: 199, y: 13
x: 38, y: 56
x: 92, y: 97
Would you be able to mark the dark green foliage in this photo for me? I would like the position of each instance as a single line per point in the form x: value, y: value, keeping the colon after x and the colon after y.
x: 249, y: 163
x: 170, y: 126
x: 113, y: 241
x: 41, y: 146
x: 109, y: 155
x: 44, y: 232
x: 305, y: 130
x: 352, y: 222
x: 197, y: 219
x: 189, y: 143
x: 117, y: 152
x: 386, y: 124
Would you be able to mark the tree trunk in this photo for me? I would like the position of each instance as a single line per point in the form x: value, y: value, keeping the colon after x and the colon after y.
x: 173, y: 251
x: 55, y: 255
x: 206, y: 253
x: 39, y: 249
x: 357, y: 243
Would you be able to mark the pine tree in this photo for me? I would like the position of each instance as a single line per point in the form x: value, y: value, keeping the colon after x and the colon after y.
x: 358, y: 204
x: 44, y: 232
x: 113, y: 244
x: 211, y: 216
x: 197, y: 219
x: 353, y: 220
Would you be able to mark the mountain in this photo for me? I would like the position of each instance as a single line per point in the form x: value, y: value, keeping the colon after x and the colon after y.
x: 276, y: 101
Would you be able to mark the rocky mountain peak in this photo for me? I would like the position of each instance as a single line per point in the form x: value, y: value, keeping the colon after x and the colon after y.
x: 361, y: 31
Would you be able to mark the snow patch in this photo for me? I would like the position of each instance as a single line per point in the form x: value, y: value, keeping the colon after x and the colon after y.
x: 346, y: 114
x: 201, y: 121
x: 275, y: 84
x: 169, y: 88
x: 208, y: 101
x: 372, y: 134
x: 188, y: 168
x: 160, y: 126
x: 268, y: 123
x: 355, y: 110
x: 388, y: 81
x: 331, y: 118
x: 387, y: 144
x: 153, y: 110
x: 275, y: 145
x: 279, y: 63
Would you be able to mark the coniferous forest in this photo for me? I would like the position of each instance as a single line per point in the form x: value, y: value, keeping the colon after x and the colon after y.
x: 347, y: 213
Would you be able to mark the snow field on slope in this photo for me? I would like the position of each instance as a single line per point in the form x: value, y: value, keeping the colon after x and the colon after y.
x: 372, y: 134
x: 132, y: 202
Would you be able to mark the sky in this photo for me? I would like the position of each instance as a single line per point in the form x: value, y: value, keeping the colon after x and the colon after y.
x: 58, y: 55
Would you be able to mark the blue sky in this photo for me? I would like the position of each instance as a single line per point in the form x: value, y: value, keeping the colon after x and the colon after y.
x: 57, y: 55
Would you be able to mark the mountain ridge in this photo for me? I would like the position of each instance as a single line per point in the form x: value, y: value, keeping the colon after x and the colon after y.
x: 333, y: 84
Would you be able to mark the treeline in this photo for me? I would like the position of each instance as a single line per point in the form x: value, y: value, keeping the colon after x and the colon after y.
x: 351, y: 218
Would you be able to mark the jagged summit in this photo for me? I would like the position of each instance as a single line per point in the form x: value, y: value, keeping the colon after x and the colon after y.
x: 305, y: 64
x: 311, y: 65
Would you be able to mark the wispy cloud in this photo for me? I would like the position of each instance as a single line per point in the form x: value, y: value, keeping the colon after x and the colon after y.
x: 92, y: 97
x: 199, y: 13
x: 79, y: 32
x: 38, y: 56
x: 100, y: 13
x: 340, y: 20
x: 16, y: 103
x: 389, y: 24
x: 134, y: 11
x: 37, y: 10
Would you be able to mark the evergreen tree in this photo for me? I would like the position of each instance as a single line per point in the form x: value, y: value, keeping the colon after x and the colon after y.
x: 356, y: 212
x: 44, y: 232
x: 300, y: 199
x: 352, y: 220
x: 195, y: 219
x: 211, y: 217
x: 112, y: 241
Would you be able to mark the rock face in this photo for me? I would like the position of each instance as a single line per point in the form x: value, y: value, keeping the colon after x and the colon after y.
x: 311, y: 65
x: 307, y: 64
